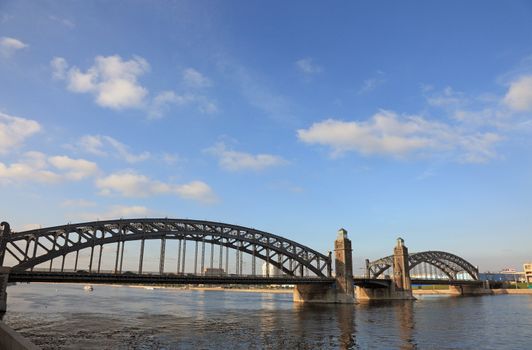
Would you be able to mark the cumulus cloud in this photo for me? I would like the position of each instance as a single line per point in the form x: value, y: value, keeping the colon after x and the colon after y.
x: 195, y: 79
x: 131, y: 184
x: 388, y: 134
x: 8, y: 46
x: 114, y: 83
x: 112, y: 80
x: 38, y: 167
x: 236, y: 161
x: 31, y: 168
x: 307, y: 66
x: 101, y: 145
x: 519, y: 95
x: 15, y: 130
x: 74, y: 169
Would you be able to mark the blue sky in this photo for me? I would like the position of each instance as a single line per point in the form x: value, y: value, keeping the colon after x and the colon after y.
x: 297, y: 118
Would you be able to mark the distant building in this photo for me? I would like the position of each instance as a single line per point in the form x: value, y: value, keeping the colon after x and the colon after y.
x: 213, y: 272
x: 508, y: 270
x: 505, y: 275
x: 501, y: 277
x: 527, y: 270
x: 274, y: 271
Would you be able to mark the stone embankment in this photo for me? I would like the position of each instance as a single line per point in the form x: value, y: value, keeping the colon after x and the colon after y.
x: 493, y: 291
x: 512, y: 291
x: 11, y: 340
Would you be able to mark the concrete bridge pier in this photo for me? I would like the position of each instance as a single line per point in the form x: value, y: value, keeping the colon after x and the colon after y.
x: 4, y: 275
x: 342, y: 290
x: 400, y: 287
x: 468, y: 290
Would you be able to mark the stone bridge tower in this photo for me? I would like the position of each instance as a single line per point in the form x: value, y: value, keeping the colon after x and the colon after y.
x: 343, y: 264
x: 401, y: 284
x: 342, y: 290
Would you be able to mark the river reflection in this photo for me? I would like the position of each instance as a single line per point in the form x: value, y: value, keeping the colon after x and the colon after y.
x: 66, y: 317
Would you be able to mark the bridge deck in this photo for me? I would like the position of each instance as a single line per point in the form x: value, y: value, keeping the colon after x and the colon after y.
x: 446, y: 282
x: 75, y: 277
x: 133, y: 278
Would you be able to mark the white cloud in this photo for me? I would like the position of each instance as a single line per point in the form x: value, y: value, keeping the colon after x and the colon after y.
x: 112, y: 80
x: 104, y: 145
x: 74, y: 169
x: 114, y: 83
x: 25, y: 170
x: 196, y: 190
x: 121, y: 93
x: 387, y: 134
x: 383, y: 134
x: 14, y: 130
x: 165, y: 99
x: 236, y: 161
x: 8, y: 46
x: 307, y: 66
x: 195, y: 79
x: 81, y: 82
x: 519, y: 95
x: 131, y: 184
x: 36, y: 167
x: 93, y: 144
x: 59, y: 67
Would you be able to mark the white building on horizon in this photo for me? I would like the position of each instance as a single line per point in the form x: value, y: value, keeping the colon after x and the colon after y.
x: 274, y: 271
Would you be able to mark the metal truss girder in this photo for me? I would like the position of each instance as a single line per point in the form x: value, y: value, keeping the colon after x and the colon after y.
x: 448, y: 263
x: 112, y: 231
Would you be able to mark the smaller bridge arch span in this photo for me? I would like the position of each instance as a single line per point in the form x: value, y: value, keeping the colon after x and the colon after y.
x: 29, y: 249
x: 430, y: 265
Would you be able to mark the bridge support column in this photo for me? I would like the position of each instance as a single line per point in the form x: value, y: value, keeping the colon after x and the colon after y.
x: 400, y: 287
x: 4, y: 275
x: 342, y: 291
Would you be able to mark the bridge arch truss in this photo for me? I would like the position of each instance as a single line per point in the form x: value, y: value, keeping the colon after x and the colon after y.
x: 34, y: 247
x: 452, y: 266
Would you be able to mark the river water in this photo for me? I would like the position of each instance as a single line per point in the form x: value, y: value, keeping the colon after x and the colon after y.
x: 62, y: 316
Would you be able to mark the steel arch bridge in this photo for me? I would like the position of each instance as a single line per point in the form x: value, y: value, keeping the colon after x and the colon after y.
x: 34, y: 247
x: 452, y: 266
